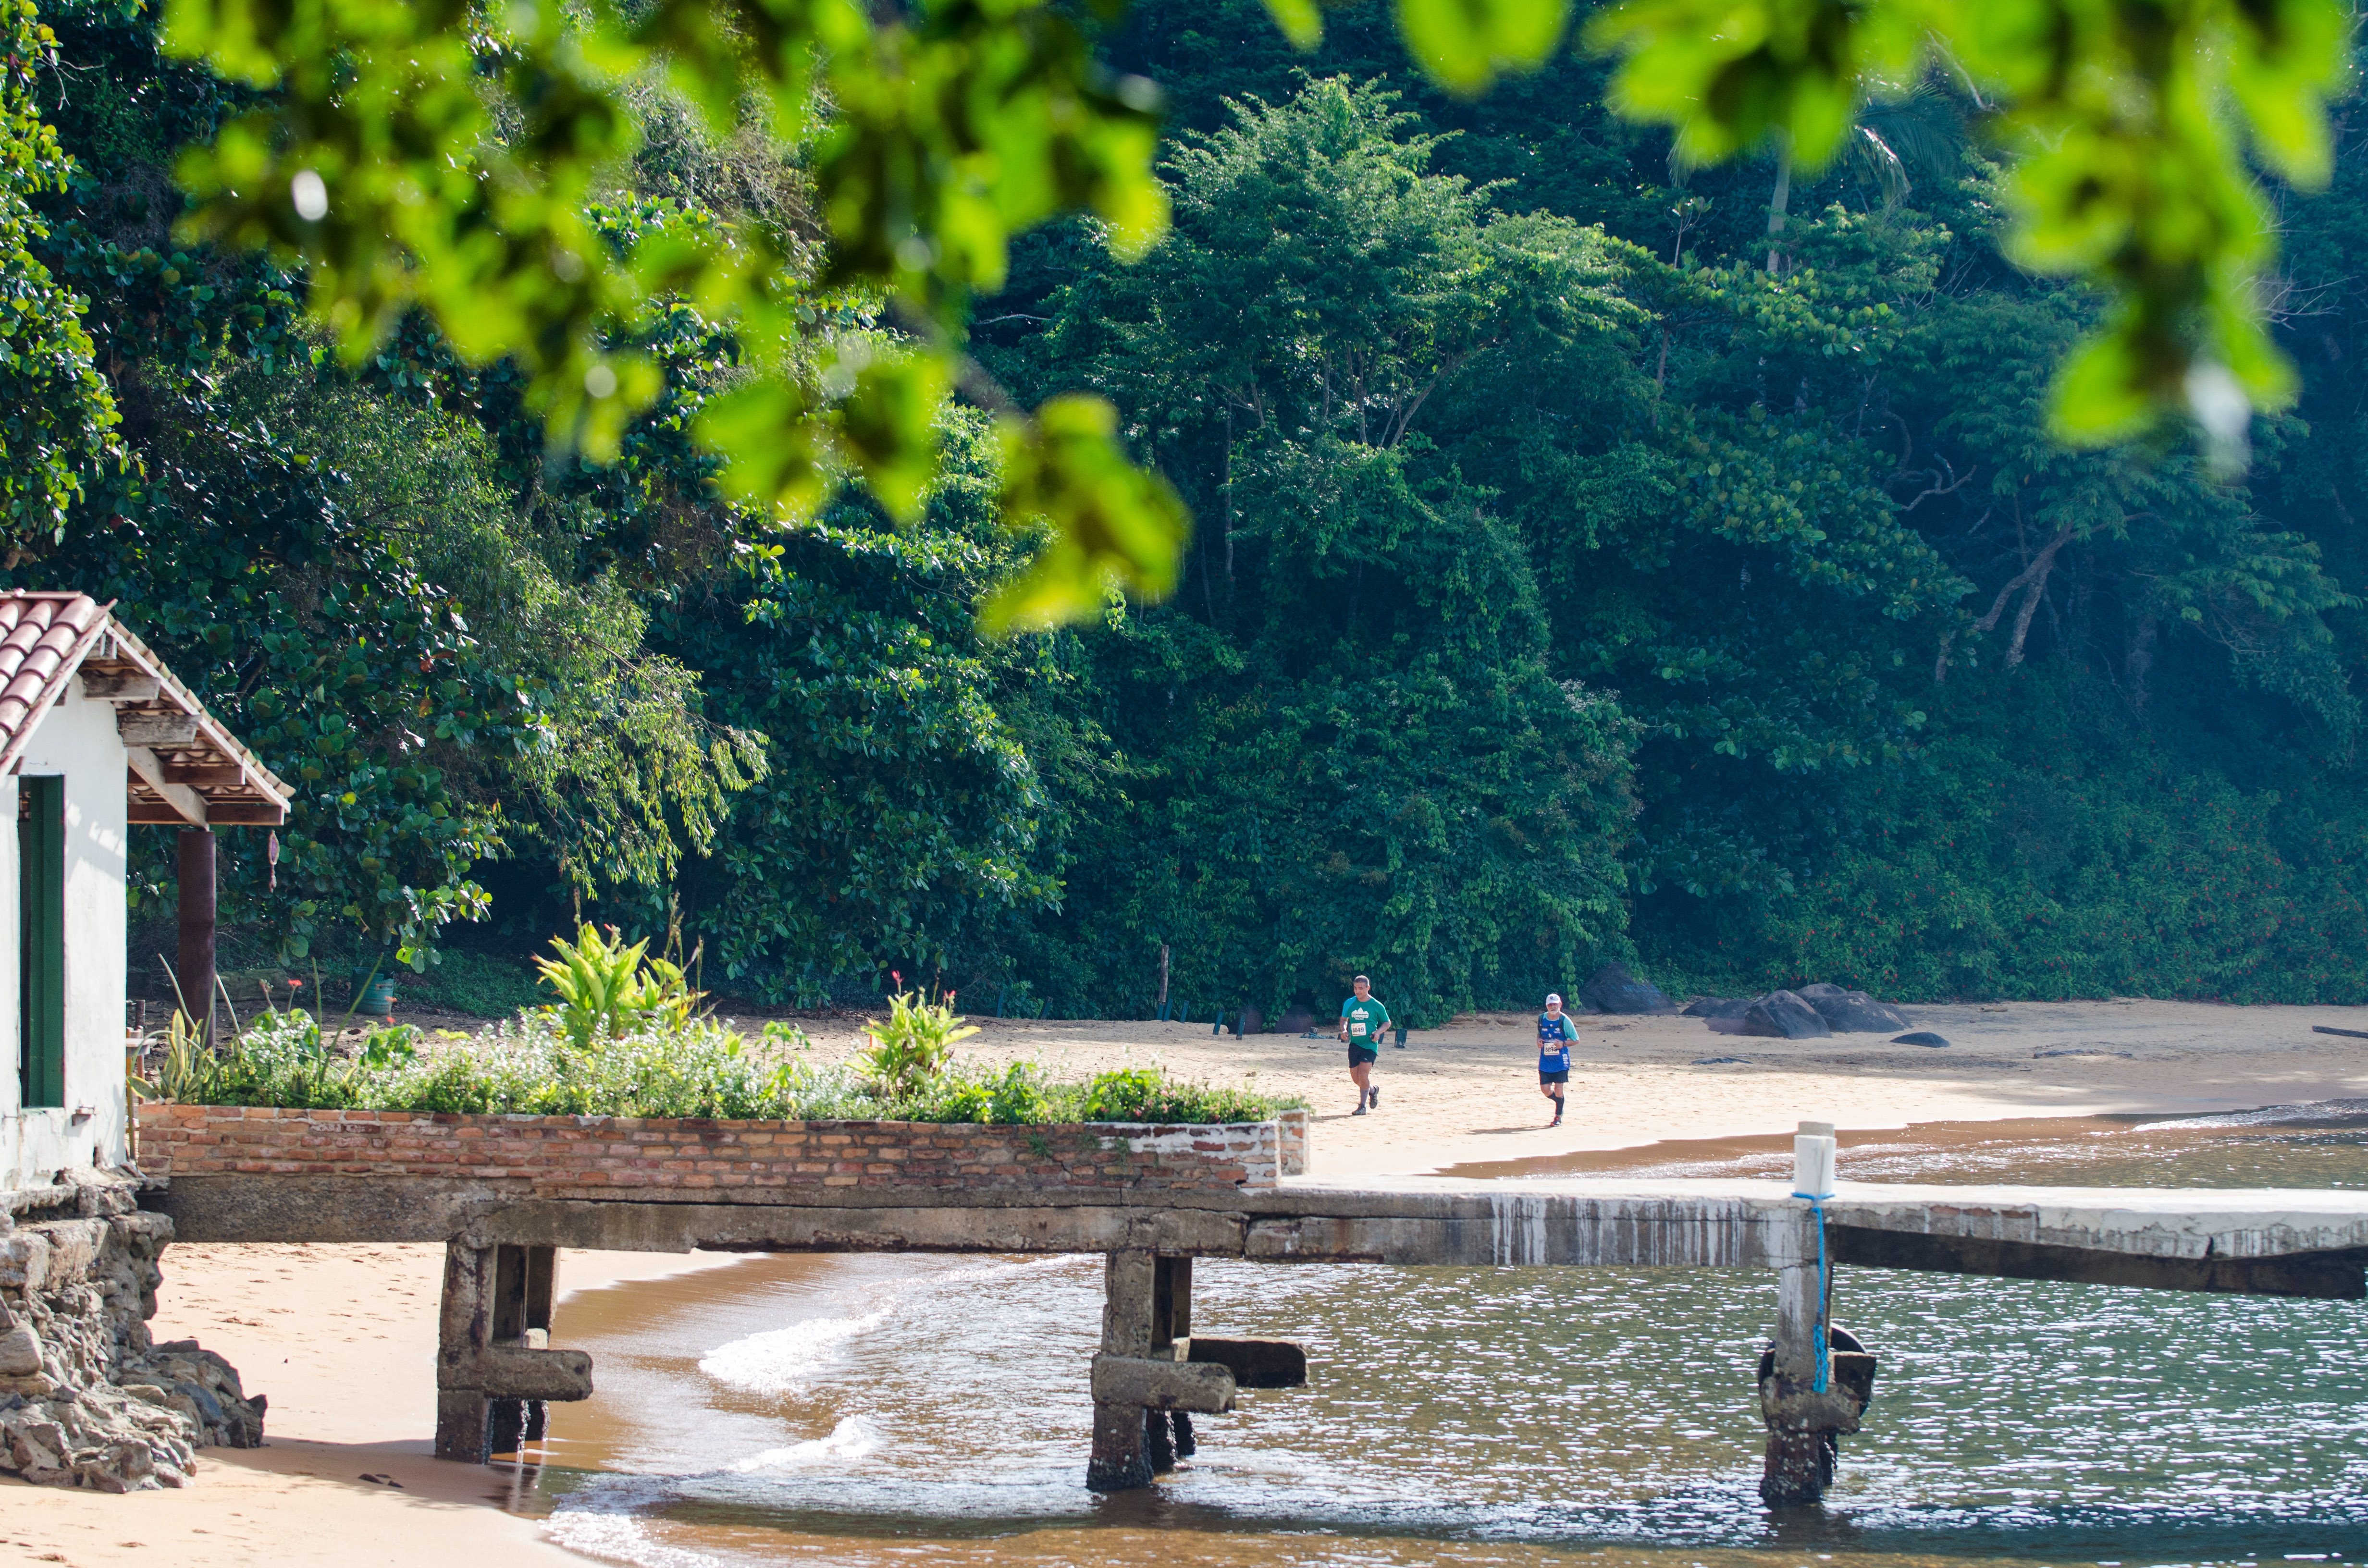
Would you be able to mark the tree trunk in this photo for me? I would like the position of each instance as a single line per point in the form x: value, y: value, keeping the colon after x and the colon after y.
x: 2138, y: 665
x: 2031, y: 598
x: 1779, y: 200
x: 2033, y: 583
x: 1226, y: 510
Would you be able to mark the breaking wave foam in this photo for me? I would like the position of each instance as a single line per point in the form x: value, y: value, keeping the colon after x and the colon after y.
x: 600, y: 1521
x: 850, y: 1439
x: 784, y: 1360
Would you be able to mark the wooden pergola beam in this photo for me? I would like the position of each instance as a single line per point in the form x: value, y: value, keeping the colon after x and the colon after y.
x: 149, y: 769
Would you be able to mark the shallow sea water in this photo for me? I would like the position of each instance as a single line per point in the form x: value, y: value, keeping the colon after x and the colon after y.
x: 2323, y: 1144
x: 883, y: 1411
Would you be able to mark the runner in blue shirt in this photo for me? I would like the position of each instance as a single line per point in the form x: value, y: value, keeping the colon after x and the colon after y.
x: 1556, y: 1033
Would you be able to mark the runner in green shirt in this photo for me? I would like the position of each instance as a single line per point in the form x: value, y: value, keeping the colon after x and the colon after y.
x: 1362, y: 1019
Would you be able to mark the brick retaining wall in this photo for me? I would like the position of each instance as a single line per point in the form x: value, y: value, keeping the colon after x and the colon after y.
x: 652, y: 1156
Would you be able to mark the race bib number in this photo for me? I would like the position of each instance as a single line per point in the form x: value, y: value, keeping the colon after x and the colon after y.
x: 1357, y: 1028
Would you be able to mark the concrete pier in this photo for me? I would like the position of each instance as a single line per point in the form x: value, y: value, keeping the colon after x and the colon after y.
x: 2258, y: 1242
x: 1139, y: 1198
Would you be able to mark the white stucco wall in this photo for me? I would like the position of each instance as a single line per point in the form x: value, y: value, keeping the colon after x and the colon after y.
x: 11, y: 1128
x: 77, y: 739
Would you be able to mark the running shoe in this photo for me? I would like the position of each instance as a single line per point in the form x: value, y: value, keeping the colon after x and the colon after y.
x: 1360, y: 1110
x: 1375, y: 1099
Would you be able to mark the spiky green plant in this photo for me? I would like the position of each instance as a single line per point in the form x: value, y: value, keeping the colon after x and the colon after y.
x: 607, y: 988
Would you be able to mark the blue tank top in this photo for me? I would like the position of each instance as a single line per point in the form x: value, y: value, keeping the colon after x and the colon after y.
x: 1554, y: 1047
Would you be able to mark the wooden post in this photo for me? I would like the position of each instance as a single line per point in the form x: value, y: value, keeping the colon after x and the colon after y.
x: 1798, y: 1465
x: 195, y: 872
x: 1118, y: 1460
x: 1795, y: 1469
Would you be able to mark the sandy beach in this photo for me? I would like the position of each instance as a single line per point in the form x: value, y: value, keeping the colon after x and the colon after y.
x: 342, y: 1338
x: 1469, y: 1093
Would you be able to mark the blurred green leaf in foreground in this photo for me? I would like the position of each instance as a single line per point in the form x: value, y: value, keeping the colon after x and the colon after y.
x: 2132, y: 122
x: 430, y: 155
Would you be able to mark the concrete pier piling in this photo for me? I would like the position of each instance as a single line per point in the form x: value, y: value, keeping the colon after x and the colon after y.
x: 495, y: 1368
x: 1144, y: 1380
x: 1153, y: 1372
x: 1121, y: 1457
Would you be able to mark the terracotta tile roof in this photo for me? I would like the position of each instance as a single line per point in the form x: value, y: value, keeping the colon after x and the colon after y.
x: 184, y: 766
x: 42, y: 639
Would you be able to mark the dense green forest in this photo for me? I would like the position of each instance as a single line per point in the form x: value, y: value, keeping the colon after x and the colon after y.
x: 1593, y: 559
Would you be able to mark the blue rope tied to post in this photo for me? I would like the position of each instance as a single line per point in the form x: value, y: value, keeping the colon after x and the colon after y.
x: 1825, y: 1284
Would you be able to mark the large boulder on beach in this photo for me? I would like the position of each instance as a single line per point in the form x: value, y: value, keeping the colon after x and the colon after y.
x: 1717, y: 1006
x: 1855, y: 1012
x: 1612, y: 989
x: 1781, y: 1015
x: 1720, y: 1014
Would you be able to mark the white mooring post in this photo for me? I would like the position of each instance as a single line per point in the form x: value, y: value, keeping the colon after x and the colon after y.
x: 1814, y: 1150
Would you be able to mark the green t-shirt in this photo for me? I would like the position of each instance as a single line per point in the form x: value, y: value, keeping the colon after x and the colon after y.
x: 1367, y: 1020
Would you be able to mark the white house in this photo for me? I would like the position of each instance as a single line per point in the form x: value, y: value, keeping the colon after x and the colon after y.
x: 97, y: 738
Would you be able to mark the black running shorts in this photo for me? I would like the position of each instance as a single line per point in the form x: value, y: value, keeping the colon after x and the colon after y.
x: 1561, y: 1077
x: 1362, y: 1053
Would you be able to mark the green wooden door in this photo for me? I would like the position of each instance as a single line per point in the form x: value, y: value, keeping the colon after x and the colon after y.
x: 41, y: 924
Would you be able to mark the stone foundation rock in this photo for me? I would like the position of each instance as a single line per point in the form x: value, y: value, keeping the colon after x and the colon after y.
x: 86, y: 1398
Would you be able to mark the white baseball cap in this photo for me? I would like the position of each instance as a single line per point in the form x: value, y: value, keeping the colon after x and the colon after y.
x: 1553, y: 999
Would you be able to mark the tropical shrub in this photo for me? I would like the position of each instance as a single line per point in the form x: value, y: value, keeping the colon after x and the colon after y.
x: 279, y: 1059
x: 607, y: 988
x: 914, y: 1044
